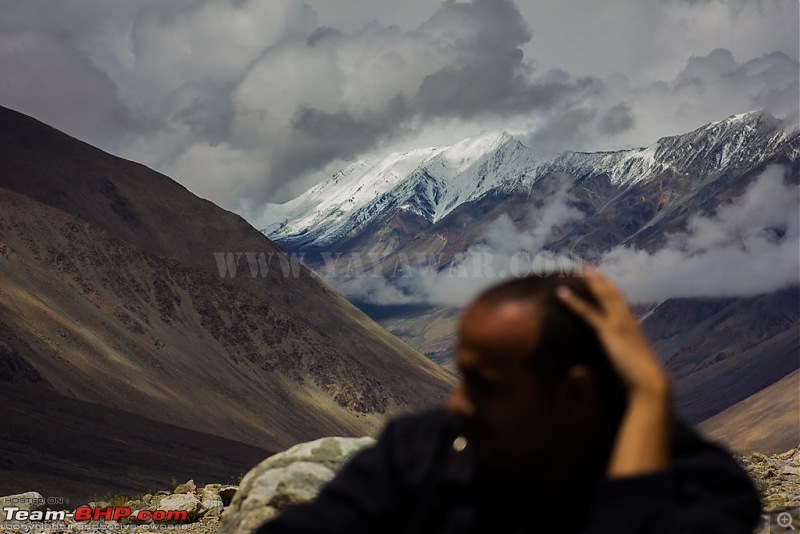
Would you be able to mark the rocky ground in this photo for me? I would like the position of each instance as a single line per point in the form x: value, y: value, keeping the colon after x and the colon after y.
x: 296, y: 475
x: 203, y: 506
x: 777, y: 478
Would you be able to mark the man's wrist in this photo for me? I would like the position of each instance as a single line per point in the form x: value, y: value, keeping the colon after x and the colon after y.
x: 651, y: 386
x: 642, y: 447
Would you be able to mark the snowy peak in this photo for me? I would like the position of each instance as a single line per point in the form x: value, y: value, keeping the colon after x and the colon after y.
x: 428, y: 181
x: 464, y: 154
x: 739, y: 140
x: 723, y: 143
x: 431, y: 182
x: 464, y: 172
x: 345, y: 192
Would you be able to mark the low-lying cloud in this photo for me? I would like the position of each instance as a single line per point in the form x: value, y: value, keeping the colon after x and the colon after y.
x: 748, y: 247
x: 503, y: 250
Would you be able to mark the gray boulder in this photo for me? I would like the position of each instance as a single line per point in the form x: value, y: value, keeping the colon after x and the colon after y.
x: 212, y: 502
x: 186, y: 487
x: 182, y: 502
x: 290, y: 477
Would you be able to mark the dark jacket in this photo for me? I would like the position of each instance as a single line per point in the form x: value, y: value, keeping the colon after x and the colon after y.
x: 412, y: 481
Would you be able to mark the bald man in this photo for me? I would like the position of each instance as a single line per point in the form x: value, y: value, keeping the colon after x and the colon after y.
x: 561, y: 422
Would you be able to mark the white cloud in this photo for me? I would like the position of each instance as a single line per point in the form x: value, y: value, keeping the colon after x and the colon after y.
x: 748, y: 247
x: 502, y: 251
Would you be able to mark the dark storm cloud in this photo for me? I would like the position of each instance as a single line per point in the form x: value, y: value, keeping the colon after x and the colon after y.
x: 707, y: 88
x: 321, y: 33
x: 617, y: 119
x: 319, y: 136
x: 496, y: 87
x: 47, y: 77
x: 561, y: 130
x: 768, y: 82
x: 351, y: 92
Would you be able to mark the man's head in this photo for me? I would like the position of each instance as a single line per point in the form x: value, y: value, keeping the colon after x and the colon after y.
x: 535, y: 380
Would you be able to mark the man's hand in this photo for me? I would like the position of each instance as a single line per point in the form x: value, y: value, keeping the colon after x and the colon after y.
x: 642, y: 443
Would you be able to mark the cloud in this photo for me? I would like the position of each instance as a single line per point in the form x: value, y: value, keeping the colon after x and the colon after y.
x: 748, y: 247
x: 759, y: 83
x: 184, y: 41
x: 262, y: 80
x: 503, y: 250
x: 343, y: 94
x: 706, y: 89
x: 618, y: 119
x: 46, y: 77
x: 502, y: 238
x: 651, y: 41
x: 190, y: 88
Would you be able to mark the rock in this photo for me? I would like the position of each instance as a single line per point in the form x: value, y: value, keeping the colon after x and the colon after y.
x: 208, y: 491
x: 777, y: 478
x: 214, y: 512
x: 154, y: 503
x: 291, y: 477
x: 30, y: 501
x: 137, y: 504
x: 778, y: 481
x: 226, y: 493
x: 214, y: 491
x: 187, y: 487
x: 186, y: 502
x: 211, y: 503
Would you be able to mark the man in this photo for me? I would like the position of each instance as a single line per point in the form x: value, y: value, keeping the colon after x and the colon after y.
x: 561, y: 422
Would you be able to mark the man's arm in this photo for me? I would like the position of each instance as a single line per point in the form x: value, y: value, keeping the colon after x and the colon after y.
x: 692, y: 489
x: 642, y: 443
x: 704, y: 491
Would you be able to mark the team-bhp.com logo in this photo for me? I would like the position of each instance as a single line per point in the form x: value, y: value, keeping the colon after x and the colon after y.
x: 96, y: 513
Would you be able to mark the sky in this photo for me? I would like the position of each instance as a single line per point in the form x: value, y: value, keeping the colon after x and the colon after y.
x: 248, y: 102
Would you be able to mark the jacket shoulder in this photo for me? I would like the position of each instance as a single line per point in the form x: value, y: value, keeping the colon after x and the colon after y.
x: 707, y: 470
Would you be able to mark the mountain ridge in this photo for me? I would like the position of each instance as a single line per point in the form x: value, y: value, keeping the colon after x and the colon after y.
x: 639, y: 202
x: 301, y: 227
x: 111, y: 294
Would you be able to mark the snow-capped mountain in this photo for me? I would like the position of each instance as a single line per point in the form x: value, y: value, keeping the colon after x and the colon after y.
x: 432, y: 182
x: 429, y: 182
x: 492, y: 191
x: 740, y: 140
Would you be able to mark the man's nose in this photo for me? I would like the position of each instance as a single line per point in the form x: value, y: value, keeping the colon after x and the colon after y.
x: 459, y: 404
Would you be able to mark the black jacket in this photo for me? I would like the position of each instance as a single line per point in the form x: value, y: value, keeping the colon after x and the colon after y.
x: 412, y: 481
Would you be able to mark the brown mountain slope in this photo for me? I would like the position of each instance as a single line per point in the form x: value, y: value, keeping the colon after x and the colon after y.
x: 718, y: 351
x: 768, y: 421
x: 110, y: 293
x: 62, y: 447
x: 721, y: 351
